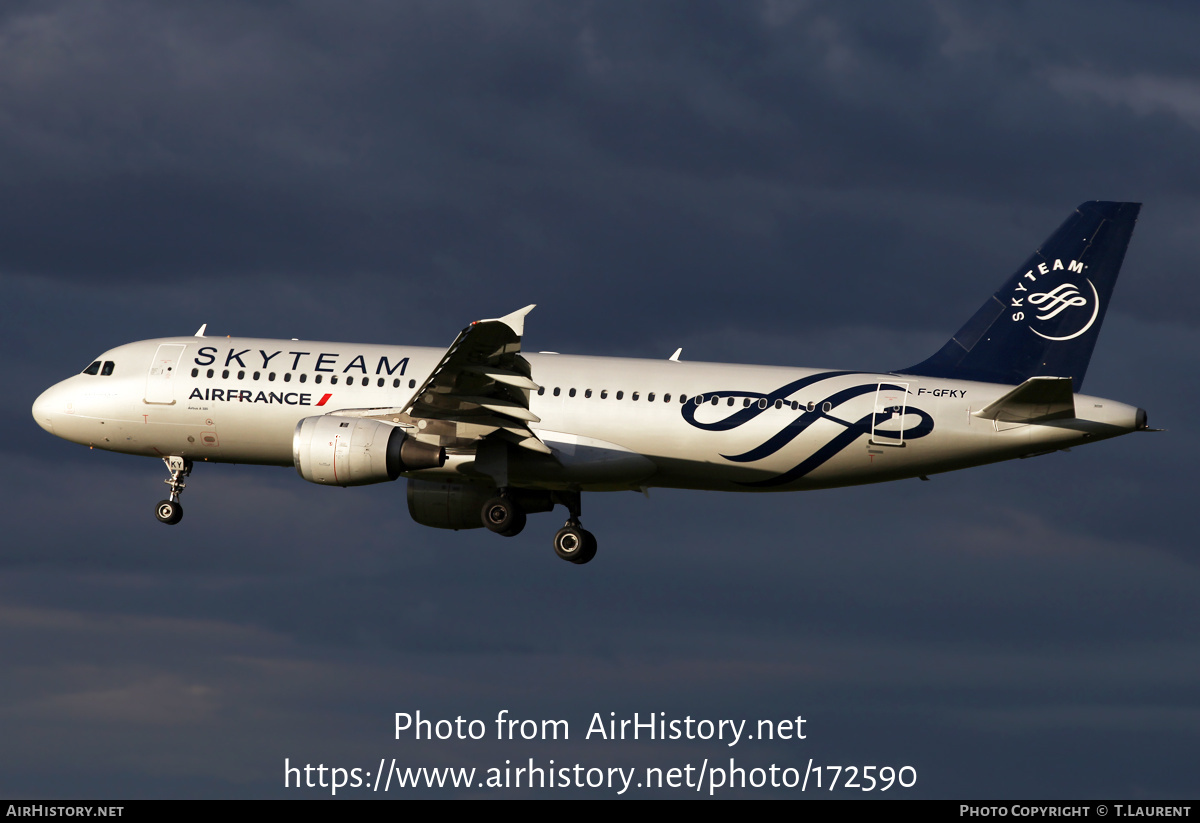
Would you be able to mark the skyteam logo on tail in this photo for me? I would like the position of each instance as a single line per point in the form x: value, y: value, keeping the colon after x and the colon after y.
x: 1063, y: 311
x: 1053, y: 302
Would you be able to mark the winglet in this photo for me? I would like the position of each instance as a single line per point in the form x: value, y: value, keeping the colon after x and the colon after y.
x: 515, y: 321
x: 200, y: 331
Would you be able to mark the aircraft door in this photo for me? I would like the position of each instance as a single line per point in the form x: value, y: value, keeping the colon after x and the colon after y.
x: 887, y: 423
x: 161, y: 377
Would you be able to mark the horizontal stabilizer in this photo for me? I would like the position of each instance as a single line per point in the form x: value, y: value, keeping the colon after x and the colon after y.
x: 1036, y: 400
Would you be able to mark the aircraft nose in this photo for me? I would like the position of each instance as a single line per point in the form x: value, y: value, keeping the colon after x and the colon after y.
x: 45, y: 408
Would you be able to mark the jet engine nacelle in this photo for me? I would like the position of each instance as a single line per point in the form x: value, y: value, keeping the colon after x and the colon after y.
x: 460, y: 505
x: 353, y: 451
x: 447, y: 505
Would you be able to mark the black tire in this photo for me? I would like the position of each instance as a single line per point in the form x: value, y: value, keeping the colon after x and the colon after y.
x: 570, y: 543
x: 518, y: 523
x: 502, y: 516
x: 169, y: 512
x: 589, y: 548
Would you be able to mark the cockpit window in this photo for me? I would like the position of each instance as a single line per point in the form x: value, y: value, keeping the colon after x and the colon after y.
x: 93, y: 369
x: 106, y: 369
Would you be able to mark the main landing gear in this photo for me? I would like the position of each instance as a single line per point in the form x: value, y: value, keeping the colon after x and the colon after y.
x: 575, y: 543
x: 505, y: 516
x: 170, y: 511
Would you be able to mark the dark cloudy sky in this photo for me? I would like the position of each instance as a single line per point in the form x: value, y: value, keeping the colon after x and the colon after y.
x: 811, y: 184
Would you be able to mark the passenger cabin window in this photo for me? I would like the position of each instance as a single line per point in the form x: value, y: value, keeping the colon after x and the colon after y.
x: 93, y: 369
x: 620, y: 394
x: 541, y: 389
x: 195, y: 372
x: 571, y: 393
x: 587, y: 392
x: 557, y: 391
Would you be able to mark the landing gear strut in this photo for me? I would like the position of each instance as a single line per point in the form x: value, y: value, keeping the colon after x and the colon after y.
x: 170, y: 511
x: 573, y: 542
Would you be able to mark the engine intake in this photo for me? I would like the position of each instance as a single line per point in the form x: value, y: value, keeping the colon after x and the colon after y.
x: 353, y: 451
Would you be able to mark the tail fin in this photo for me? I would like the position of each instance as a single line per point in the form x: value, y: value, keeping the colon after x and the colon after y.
x: 1045, y: 319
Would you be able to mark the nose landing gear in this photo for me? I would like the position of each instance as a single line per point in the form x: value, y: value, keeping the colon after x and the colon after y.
x: 170, y: 511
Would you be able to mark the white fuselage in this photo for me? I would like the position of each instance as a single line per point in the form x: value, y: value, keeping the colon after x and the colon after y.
x: 611, y: 423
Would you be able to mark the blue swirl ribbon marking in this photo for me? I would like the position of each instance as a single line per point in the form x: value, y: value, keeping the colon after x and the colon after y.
x: 796, y: 427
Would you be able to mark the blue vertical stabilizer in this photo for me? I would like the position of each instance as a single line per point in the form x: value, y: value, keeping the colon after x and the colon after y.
x: 1045, y: 319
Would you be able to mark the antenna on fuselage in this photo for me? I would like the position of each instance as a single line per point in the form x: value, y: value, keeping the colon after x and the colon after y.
x: 200, y: 331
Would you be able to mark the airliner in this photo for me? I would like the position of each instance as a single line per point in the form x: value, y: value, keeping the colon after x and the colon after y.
x: 486, y: 433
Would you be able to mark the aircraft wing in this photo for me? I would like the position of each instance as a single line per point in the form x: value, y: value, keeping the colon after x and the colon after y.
x: 479, y: 389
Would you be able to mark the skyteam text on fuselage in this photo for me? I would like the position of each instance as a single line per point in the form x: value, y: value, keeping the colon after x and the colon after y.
x: 486, y: 433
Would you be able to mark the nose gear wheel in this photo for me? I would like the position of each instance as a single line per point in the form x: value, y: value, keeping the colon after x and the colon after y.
x: 171, y: 511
